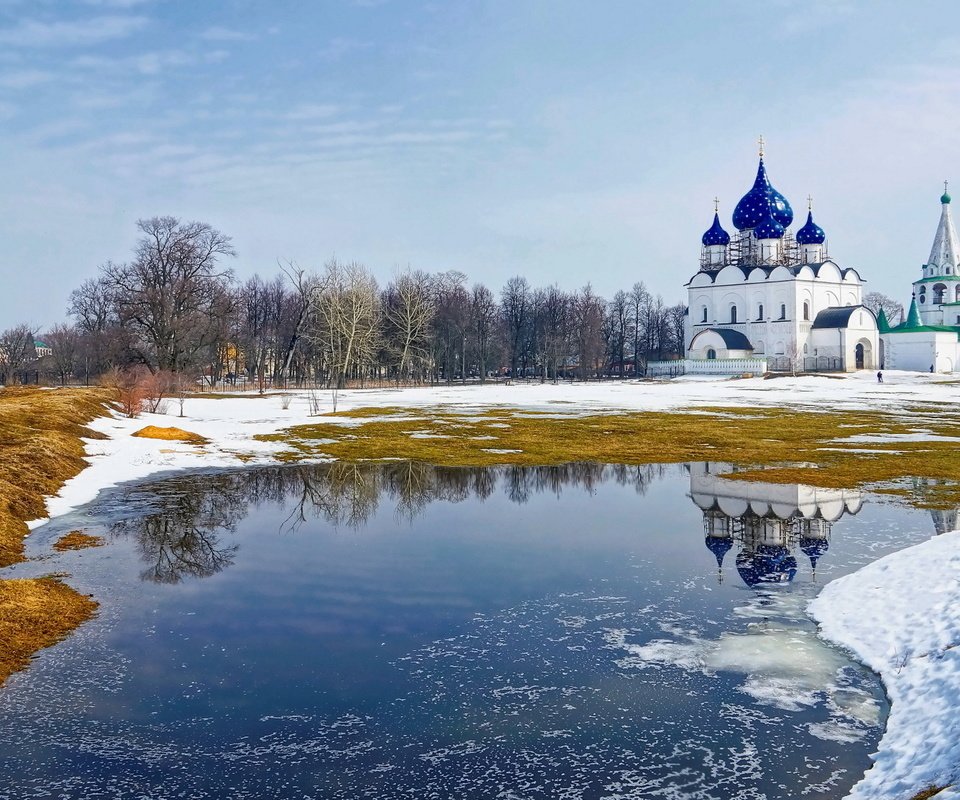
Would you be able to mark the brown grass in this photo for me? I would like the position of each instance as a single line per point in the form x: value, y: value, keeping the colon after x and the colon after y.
x: 34, y: 614
x: 40, y: 449
x: 929, y: 792
x: 77, y: 540
x: 170, y: 435
x: 778, y: 445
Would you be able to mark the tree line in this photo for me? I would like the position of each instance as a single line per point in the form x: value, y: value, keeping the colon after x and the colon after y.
x: 176, y: 308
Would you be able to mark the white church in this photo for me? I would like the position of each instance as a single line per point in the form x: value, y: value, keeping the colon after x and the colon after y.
x: 769, y: 294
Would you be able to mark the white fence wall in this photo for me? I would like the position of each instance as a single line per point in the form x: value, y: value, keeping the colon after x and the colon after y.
x: 706, y: 366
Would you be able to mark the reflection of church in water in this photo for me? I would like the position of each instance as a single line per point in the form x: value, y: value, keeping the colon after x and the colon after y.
x: 770, y: 523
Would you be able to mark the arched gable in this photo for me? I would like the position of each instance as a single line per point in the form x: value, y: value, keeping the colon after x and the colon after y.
x: 730, y: 275
x: 829, y: 272
x: 701, y: 279
x: 781, y: 274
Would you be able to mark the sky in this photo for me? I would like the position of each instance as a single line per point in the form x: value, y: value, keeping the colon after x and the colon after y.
x: 569, y: 142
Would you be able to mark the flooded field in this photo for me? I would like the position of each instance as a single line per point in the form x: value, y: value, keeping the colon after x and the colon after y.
x: 405, y: 631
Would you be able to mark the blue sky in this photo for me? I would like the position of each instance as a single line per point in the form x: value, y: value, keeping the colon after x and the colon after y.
x: 568, y: 142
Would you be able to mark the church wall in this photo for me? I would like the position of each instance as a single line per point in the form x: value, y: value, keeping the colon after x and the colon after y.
x: 917, y: 351
x: 772, y: 335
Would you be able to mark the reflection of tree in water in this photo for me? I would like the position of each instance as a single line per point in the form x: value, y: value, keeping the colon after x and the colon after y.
x: 182, y: 538
x: 181, y: 522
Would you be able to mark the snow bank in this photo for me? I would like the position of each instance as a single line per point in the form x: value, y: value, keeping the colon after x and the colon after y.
x: 901, y: 616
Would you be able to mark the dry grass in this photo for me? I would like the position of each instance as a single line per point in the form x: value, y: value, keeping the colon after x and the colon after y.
x: 926, y: 794
x: 34, y: 614
x: 40, y: 449
x: 781, y: 445
x: 170, y: 435
x: 77, y: 540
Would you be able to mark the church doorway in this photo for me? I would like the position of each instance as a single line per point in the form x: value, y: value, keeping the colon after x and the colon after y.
x: 863, y: 354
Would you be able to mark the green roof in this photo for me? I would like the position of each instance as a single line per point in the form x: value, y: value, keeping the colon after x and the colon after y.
x: 913, y: 316
x: 933, y: 278
x: 882, y: 322
x: 926, y: 329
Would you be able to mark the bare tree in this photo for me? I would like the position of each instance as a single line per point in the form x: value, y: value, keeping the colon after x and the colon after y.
x: 346, y: 319
x: 64, y: 343
x: 16, y: 351
x: 483, y: 317
x: 676, y: 318
x: 891, y: 308
x: 639, y: 302
x: 409, y: 308
x: 168, y: 293
x: 588, y: 318
x: 515, y: 308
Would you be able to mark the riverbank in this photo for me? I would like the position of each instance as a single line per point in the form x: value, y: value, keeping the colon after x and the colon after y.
x: 42, y: 436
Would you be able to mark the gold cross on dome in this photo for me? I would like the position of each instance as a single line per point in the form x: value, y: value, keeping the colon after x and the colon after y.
x: 809, y: 203
x: 716, y: 205
x: 760, y: 142
x: 945, y: 187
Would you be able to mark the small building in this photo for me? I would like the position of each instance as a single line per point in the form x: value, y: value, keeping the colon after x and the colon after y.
x: 928, y: 340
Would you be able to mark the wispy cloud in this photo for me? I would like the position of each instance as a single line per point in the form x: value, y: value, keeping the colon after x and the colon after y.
x: 339, y: 47
x: 74, y: 33
x: 25, y: 79
x: 308, y: 111
x: 116, y: 3
x: 220, y: 34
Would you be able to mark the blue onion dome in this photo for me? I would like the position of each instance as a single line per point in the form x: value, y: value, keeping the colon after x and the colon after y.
x: 753, y: 205
x: 811, y: 233
x: 813, y: 548
x: 769, y: 564
x: 769, y: 227
x: 716, y: 234
x: 719, y: 546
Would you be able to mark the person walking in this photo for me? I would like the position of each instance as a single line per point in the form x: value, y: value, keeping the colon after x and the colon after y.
x: 880, y: 377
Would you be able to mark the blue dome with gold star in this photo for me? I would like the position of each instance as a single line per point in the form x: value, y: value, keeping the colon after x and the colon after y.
x: 754, y: 205
x: 716, y: 234
x: 769, y: 227
x: 811, y: 233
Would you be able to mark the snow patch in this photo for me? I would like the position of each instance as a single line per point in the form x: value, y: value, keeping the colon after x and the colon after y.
x: 901, y: 616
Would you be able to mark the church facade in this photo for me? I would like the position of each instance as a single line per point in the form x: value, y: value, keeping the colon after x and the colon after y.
x: 928, y: 340
x: 769, y: 293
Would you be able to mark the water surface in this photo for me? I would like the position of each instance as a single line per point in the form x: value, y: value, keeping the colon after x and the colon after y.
x: 409, y: 631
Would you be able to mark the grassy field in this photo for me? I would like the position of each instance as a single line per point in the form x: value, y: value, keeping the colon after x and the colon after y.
x: 40, y: 449
x: 774, y: 445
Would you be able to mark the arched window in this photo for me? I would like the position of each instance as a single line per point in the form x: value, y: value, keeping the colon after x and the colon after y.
x: 806, y: 311
x: 760, y: 312
x: 783, y: 311
x: 733, y: 313
x: 938, y: 292
x: 704, y: 317
x: 711, y: 353
x: 957, y: 293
